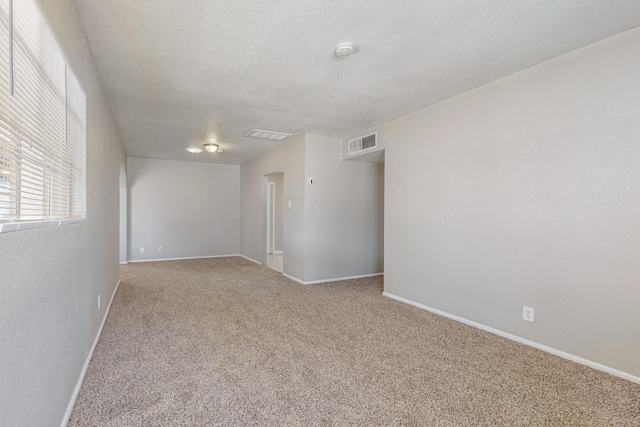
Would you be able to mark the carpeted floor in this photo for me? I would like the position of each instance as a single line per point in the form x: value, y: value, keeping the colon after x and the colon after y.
x: 225, y: 342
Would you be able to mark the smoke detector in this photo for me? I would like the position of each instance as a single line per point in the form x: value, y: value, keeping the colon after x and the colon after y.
x: 344, y: 49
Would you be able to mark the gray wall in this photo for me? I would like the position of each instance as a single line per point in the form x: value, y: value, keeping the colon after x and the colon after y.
x: 527, y: 192
x: 191, y: 209
x: 50, y: 279
x: 333, y: 228
x: 287, y: 157
x: 278, y: 181
x: 344, y: 213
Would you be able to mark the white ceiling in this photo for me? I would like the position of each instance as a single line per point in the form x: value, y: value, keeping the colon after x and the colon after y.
x: 177, y: 72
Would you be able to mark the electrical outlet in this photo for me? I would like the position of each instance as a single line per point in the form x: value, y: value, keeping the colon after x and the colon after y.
x: 160, y: 248
x: 98, y: 301
x: 527, y: 313
x: 141, y: 250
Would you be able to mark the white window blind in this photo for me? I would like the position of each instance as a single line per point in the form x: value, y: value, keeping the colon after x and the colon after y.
x: 76, y: 143
x: 42, y: 123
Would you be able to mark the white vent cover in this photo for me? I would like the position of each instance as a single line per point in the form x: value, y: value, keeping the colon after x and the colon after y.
x: 267, y: 134
x: 362, y: 143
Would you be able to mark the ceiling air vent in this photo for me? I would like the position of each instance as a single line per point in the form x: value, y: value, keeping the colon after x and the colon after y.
x: 267, y: 134
x: 363, y: 143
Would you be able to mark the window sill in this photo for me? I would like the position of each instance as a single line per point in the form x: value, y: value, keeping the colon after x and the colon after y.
x: 8, y: 227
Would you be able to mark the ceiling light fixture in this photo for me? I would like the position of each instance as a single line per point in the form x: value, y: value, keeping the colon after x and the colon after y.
x: 267, y: 134
x: 212, y: 148
x: 344, y: 49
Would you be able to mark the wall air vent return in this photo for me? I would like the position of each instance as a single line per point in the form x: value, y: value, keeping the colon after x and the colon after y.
x: 267, y: 134
x: 362, y: 143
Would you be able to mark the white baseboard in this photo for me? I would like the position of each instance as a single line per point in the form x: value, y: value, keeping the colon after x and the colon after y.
x: 76, y: 391
x: 194, y: 257
x: 337, y: 279
x: 249, y: 259
x: 124, y: 262
x: 189, y: 257
x: 277, y: 252
x: 560, y: 353
x: 295, y: 279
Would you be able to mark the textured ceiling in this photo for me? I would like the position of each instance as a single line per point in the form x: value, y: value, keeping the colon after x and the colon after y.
x: 177, y: 72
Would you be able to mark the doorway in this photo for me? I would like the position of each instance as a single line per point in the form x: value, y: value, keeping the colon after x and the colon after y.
x: 275, y: 221
x: 123, y: 216
x: 271, y: 217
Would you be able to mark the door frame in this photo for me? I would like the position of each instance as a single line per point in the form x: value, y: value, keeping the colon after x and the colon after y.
x: 271, y: 217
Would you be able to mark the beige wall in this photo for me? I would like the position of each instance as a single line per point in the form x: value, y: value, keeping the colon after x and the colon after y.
x: 191, y: 209
x: 527, y: 192
x: 50, y: 278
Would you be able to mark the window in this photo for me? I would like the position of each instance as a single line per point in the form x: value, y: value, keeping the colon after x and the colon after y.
x: 42, y: 125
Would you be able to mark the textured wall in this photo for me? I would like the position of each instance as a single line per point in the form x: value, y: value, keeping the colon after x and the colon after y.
x: 344, y: 213
x: 191, y: 209
x: 50, y: 279
x: 527, y: 192
x: 287, y: 157
x: 333, y: 228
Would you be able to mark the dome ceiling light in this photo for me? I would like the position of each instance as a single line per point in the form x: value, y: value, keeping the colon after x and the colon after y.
x: 209, y: 147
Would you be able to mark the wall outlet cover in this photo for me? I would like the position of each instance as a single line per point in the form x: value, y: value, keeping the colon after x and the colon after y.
x: 528, y: 313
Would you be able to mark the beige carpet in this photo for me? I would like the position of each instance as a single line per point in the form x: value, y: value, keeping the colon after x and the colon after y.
x: 225, y: 342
